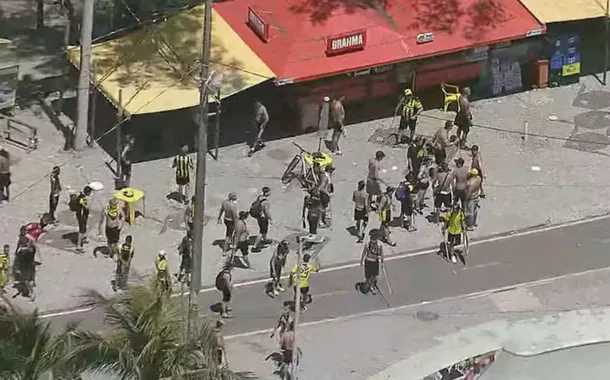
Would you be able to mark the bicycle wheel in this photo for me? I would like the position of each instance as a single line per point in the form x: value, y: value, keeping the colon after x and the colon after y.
x: 289, y: 174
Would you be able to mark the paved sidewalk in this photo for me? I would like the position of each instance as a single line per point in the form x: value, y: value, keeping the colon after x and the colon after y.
x: 414, y: 341
x: 571, y: 184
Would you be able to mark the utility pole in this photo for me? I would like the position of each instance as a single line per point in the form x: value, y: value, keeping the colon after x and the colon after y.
x: 297, y: 308
x: 607, y: 43
x: 80, y: 137
x: 202, y: 153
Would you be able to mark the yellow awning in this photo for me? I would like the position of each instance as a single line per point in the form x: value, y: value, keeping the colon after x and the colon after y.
x: 157, y: 67
x: 548, y: 11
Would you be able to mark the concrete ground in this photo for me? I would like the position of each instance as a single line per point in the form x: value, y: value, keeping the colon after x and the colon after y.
x: 568, y: 186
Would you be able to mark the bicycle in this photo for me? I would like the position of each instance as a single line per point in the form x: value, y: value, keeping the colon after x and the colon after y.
x: 302, y: 167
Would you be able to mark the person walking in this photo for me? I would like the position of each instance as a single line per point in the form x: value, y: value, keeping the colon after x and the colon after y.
x: 5, y: 175
x: 463, y: 118
x: 163, y: 280
x: 224, y: 283
x: 55, y: 185
x: 312, y: 211
x: 361, y: 210
x: 240, y: 239
x: 441, y: 188
x: 425, y: 176
x: 473, y: 193
x: 4, y: 266
x: 82, y: 217
x: 304, y: 274
x: 443, y: 140
x: 373, y: 179
x: 453, y: 226
x: 410, y: 108
x: 337, y: 120
x: 25, y: 264
x: 371, y: 260
x: 183, y: 164
x: 189, y: 214
x: 459, y: 177
x: 261, y: 118
x: 414, y: 155
x: 477, y: 163
x: 385, y: 215
x: 404, y: 194
x: 126, y: 158
x: 113, y: 217
x: 276, y: 265
x: 326, y: 190
x: 123, y: 264
x: 185, y: 251
x: 228, y: 208
x: 260, y: 209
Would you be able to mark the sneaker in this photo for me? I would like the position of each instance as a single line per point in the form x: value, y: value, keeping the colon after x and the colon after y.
x: 373, y: 291
x: 471, y: 228
x: 303, y: 309
x: 281, y: 289
x: 275, y: 292
x: 339, y: 153
x: 454, y: 259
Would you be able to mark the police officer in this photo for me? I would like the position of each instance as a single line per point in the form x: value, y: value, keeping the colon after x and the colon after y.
x: 409, y: 107
x: 163, y: 280
x: 123, y: 264
x: 385, y: 214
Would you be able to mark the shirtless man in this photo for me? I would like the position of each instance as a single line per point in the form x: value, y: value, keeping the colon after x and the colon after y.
x: 240, y: 238
x: 473, y: 193
x: 441, y: 188
x: 463, y: 119
x: 228, y: 208
x: 442, y: 140
x: 477, y: 163
x: 373, y: 180
x: 459, y: 177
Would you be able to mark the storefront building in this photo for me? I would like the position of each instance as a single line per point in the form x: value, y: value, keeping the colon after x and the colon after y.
x: 363, y: 52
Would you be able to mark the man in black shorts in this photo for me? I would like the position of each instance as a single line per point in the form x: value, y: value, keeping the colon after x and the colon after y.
x: 361, y: 210
x: 463, y: 118
x: 240, y: 238
x: 442, y: 190
x: 224, y: 283
x: 183, y: 165
x: 409, y: 108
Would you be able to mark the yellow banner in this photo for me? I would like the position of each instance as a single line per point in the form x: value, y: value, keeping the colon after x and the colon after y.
x: 571, y: 69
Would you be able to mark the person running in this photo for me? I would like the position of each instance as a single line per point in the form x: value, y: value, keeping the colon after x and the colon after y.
x: 473, y: 193
x: 123, y: 264
x: 5, y: 175
x: 276, y: 265
x: 441, y: 188
x: 459, y: 177
x: 404, y: 194
x: 185, y: 251
x: 162, y: 272
x: 126, y: 154
x: 410, y: 108
x: 477, y: 163
x: 373, y: 179
x: 361, y: 210
x: 304, y: 274
x: 82, y: 217
x: 183, y: 164
x: 442, y: 140
x: 385, y: 215
x: 371, y: 260
x: 4, y: 265
x: 261, y: 118
x: 189, y: 215
x: 113, y: 217
x: 260, y: 210
x: 228, y: 208
x: 453, y: 226
x: 55, y: 185
x: 326, y: 188
x: 240, y: 238
x: 224, y: 283
x: 337, y: 120
x: 312, y: 208
x: 463, y: 118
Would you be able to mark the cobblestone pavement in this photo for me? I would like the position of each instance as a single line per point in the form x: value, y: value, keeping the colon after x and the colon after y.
x: 359, y: 347
x: 570, y: 184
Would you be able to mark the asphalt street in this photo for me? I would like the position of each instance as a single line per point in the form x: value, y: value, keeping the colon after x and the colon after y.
x: 415, y: 279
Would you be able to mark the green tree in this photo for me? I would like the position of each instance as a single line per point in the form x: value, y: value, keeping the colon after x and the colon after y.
x: 147, y: 339
x: 28, y: 349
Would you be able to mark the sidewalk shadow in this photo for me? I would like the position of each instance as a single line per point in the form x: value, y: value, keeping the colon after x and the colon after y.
x: 352, y: 231
x: 175, y: 196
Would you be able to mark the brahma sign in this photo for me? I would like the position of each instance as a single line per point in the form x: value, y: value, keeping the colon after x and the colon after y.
x: 345, y: 43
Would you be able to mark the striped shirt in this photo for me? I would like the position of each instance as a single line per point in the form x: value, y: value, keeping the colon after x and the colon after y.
x: 183, y: 165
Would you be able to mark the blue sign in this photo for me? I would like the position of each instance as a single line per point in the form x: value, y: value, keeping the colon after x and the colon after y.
x: 556, y: 61
x: 571, y: 58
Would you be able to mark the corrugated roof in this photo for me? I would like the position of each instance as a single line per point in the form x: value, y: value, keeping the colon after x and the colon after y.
x: 157, y: 67
x: 548, y: 11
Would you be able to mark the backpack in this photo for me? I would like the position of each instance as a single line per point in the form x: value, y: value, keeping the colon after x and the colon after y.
x: 73, y: 203
x: 401, y: 192
x: 256, y: 208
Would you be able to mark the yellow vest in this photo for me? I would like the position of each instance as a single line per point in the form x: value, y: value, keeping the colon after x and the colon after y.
x: 161, y: 265
x: 3, y: 261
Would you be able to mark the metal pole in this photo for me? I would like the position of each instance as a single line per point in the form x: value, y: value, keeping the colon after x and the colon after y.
x: 118, y: 131
x: 297, y: 307
x: 92, y: 116
x: 217, y: 137
x: 66, y: 68
x: 85, y: 75
x: 607, y: 43
x: 202, y: 152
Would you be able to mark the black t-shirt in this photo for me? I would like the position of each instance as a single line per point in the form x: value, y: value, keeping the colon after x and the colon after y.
x: 413, y: 155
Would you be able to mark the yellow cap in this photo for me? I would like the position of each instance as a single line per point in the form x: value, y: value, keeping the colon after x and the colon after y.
x: 473, y: 172
x: 408, y: 92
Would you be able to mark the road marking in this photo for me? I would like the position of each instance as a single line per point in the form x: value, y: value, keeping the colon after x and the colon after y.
x: 356, y: 264
x: 485, y: 265
x: 473, y: 295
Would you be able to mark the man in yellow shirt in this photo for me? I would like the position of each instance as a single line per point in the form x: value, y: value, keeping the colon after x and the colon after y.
x: 454, y: 226
x: 304, y: 273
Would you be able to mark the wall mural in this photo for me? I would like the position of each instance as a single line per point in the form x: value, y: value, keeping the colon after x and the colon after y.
x: 468, y: 369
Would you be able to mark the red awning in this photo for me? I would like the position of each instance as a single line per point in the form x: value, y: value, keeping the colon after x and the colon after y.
x: 298, y: 31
